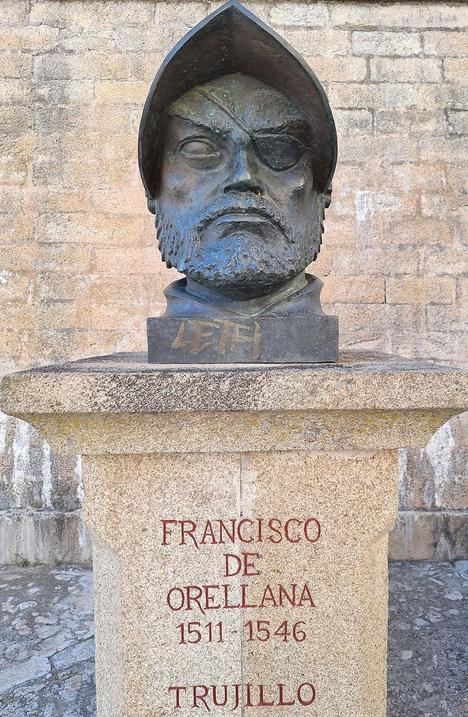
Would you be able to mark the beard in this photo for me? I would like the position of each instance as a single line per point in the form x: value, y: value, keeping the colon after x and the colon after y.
x: 241, y: 257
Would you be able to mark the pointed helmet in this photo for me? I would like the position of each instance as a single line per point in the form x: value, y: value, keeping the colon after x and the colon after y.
x: 231, y: 40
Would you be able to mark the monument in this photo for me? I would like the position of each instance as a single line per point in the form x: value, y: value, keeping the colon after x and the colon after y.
x: 239, y: 512
x: 237, y: 150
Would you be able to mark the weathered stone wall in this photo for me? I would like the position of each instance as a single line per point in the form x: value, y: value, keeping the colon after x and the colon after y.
x: 79, y: 271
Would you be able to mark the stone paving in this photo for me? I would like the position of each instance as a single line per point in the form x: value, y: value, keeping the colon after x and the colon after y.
x: 46, y: 641
x: 428, y: 650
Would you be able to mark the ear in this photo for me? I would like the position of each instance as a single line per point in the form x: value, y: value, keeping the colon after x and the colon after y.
x: 152, y: 204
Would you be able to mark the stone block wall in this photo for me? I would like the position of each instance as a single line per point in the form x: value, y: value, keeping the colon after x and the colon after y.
x: 79, y: 271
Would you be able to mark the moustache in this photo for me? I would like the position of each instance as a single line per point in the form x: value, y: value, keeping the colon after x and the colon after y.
x: 239, y: 205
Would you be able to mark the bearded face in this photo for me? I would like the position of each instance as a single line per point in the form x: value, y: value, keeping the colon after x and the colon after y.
x: 238, y: 211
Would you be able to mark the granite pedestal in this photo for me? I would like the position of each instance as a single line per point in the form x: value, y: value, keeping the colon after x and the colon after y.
x: 239, y: 517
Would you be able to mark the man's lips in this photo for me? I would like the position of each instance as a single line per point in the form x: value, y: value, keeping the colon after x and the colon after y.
x: 243, y: 217
x: 238, y: 214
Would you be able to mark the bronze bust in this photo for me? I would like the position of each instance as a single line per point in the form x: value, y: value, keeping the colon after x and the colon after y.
x: 237, y: 150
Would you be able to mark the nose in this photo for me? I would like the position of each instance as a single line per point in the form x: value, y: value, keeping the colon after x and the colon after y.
x: 242, y: 175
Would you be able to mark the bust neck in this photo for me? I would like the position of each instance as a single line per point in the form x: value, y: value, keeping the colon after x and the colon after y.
x: 248, y: 307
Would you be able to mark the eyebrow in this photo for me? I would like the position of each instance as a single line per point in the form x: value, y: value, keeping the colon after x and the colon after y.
x: 198, y: 125
x: 290, y: 125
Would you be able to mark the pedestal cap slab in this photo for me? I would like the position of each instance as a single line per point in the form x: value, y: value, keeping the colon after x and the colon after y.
x: 122, y: 404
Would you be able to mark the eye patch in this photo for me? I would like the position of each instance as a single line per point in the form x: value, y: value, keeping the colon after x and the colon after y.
x: 278, y: 151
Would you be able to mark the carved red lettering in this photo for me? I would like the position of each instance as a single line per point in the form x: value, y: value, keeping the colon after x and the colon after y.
x: 261, y: 701
x: 276, y: 531
x: 244, y: 530
x: 216, y: 701
x: 227, y: 604
x: 188, y: 527
x: 306, y: 598
x: 268, y: 598
x: 216, y: 597
x: 177, y: 696
x: 172, y: 596
x: 230, y: 533
x: 166, y: 529
x: 240, y: 525
x: 230, y: 696
x: 194, y: 593
x: 286, y: 530
x: 303, y: 700
x: 245, y: 604
x: 233, y: 565
x: 208, y: 533
x: 199, y: 693
x: 210, y: 598
x: 316, y: 524
x: 284, y: 596
x: 281, y: 701
x: 249, y: 566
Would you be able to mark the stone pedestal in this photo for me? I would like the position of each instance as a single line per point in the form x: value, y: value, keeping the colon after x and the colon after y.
x: 239, y: 518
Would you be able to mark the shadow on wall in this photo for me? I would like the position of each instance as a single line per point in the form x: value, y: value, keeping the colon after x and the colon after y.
x: 40, y: 500
x: 433, y: 511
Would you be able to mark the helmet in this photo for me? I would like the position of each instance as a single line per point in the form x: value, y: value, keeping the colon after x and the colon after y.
x: 230, y: 40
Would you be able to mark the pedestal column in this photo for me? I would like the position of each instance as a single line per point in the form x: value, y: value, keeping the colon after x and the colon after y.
x: 240, y: 518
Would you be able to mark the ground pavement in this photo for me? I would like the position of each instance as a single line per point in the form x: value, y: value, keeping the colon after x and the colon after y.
x: 46, y: 641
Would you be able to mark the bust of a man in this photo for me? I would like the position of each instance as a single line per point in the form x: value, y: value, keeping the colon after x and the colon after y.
x: 236, y: 182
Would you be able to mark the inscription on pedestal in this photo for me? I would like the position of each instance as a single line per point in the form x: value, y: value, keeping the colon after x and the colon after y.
x: 242, y: 587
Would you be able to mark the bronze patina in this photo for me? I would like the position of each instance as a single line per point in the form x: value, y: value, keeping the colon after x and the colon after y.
x: 237, y: 150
